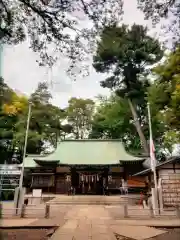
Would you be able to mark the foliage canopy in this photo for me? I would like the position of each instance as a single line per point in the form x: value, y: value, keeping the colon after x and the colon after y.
x: 56, y: 25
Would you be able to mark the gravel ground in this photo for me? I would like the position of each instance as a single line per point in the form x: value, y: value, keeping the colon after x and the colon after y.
x: 44, y: 234
x: 118, y: 237
x: 28, y: 234
x: 172, y: 234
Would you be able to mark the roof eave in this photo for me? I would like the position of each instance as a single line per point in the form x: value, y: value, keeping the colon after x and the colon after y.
x: 132, y: 161
x: 144, y: 172
x: 46, y: 162
x: 171, y: 160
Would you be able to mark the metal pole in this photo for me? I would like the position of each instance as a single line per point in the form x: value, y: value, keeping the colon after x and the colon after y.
x: 1, y: 180
x: 25, y: 147
x: 151, y: 137
x: 153, y: 166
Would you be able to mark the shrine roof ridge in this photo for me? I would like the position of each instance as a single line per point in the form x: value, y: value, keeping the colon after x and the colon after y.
x: 85, y: 151
x: 91, y: 140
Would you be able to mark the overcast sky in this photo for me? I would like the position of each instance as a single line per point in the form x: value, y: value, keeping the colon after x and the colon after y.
x: 22, y: 73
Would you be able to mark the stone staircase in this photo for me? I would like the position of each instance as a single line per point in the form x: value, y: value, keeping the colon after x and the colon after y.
x: 93, y: 200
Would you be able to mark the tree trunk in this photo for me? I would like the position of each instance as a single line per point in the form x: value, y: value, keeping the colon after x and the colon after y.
x: 138, y: 127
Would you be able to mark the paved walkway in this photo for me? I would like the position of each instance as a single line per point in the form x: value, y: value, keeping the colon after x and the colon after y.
x: 81, y: 222
x: 85, y: 222
x: 94, y: 222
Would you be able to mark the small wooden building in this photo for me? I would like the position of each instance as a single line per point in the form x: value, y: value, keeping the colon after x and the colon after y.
x: 168, y: 178
x: 86, y: 165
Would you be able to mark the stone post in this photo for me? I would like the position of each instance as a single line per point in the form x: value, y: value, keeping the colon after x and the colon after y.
x: 23, y: 210
x: 155, y: 201
x: 0, y: 210
x: 151, y: 211
x: 20, y: 200
x: 125, y: 211
x: 16, y: 196
x: 177, y: 211
x: 160, y: 195
x: 47, y: 211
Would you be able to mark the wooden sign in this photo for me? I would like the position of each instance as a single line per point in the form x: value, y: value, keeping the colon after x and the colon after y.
x: 37, y: 193
x: 170, y: 188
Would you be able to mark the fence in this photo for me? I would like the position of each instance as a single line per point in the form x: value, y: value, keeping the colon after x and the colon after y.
x: 25, y: 212
x: 7, y: 186
x: 121, y: 212
x: 129, y: 211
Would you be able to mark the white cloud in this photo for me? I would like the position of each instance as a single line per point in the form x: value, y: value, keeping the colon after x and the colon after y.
x: 21, y: 71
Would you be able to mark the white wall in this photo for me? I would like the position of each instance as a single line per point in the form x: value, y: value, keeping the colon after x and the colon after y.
x: 170, y: 184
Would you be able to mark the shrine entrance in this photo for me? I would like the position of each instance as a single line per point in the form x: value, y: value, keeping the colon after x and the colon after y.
x: 87, y: 181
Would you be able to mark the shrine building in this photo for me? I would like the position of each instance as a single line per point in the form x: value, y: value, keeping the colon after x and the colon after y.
x: 86, y: 165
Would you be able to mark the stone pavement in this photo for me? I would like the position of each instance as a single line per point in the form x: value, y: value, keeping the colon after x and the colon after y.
x: 161, y: 223
x: 16, y: 222
x: 81, y: 222
x: 137, y: 232
x: 85, y: 222
x: 94, y: 222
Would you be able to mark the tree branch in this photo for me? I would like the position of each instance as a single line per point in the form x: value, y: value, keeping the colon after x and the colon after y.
x: 7, y: 12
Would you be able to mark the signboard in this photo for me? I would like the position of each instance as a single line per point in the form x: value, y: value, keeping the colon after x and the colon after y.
x: 117, y: 169
x: 170, y: 183
x: 6, y: 169
x: 10, y: 166
x: 10, y: 172
x: 37, y: 193
x: 63, y: 169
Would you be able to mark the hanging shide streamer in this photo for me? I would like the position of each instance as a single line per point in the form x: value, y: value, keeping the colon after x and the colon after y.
x: 89, y: 177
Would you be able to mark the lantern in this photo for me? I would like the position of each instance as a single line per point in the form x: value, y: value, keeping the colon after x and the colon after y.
x: 68, y: 178
x: 109, y: 178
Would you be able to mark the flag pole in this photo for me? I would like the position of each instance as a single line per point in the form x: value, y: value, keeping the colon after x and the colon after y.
x: 153, y: 167
x: 25, y: 146
x: 152, y: 158
x: 24, y: 155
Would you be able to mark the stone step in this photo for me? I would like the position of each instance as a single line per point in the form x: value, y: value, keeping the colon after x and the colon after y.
x: 62, y: 200
x: 91, y: 200
x: 88, y: 201
x: 84, y: 203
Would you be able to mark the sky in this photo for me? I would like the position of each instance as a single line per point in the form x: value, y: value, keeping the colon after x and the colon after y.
x: 22, y: 73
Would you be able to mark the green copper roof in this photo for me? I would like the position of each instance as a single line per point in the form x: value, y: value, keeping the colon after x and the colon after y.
x: 90, y: 152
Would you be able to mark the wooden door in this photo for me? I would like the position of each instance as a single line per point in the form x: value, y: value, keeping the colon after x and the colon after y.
x: 62, y: 186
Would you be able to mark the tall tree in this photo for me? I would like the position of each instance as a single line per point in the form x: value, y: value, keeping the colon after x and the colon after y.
x: 5, y: 93
x: 7, y: 121
x: 79, y: 115
x: 164, y: 96
x: 50, y: 24
x: 126, y: 53
x: 170, y: 10
x: 113, y: 120
x: 44, y: 127
x: 41, y: 94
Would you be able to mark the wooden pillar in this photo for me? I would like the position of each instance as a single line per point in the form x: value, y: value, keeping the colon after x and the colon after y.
x: 125, y: 172
x: 106, y: 175
x: 32, y: 179
x: 54, y: 187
